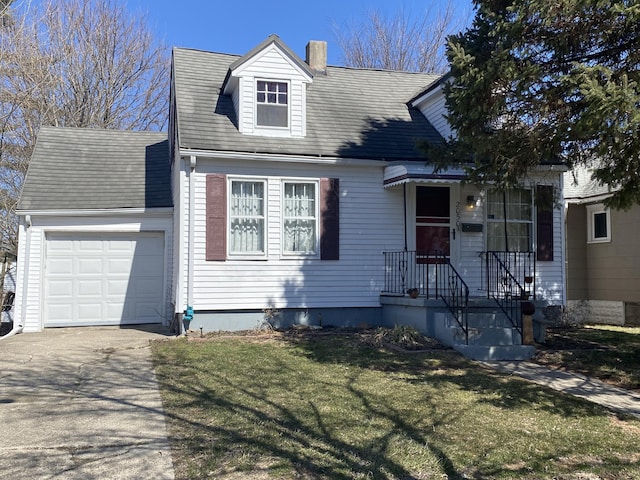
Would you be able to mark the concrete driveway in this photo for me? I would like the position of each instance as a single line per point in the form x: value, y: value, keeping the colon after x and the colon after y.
x: 81, y: 403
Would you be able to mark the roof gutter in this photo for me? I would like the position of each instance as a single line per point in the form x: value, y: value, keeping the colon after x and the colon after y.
x: 97, y: 212
x: 316, y: 160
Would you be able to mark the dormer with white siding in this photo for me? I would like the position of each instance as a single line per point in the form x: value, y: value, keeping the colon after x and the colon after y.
x: 432, y: 103
x: 268, y: 86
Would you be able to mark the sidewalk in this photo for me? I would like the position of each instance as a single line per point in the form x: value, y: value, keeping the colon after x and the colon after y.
x: 82, y: 403
x: 575, y: 384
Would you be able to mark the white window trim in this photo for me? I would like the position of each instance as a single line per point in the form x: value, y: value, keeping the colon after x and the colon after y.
x: 316, y: 253
x: 531, y: 222
x: 246, y: 255
x: 267, y: 128
x: 592, y: 211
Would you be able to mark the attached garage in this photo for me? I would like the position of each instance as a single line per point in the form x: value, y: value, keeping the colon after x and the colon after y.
x: 95, y: 243
x: 106, y: 279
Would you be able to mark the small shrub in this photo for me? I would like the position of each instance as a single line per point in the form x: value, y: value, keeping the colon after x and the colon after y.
x: 270, y: 314
x: 405, y: 337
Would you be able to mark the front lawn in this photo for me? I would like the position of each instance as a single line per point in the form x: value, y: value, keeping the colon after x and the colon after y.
x: 313, y: 406
x: 611, y: 354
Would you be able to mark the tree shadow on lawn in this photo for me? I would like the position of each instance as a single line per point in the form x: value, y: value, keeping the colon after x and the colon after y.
x: 608, y: 355
x: 440, y: 368
x: 311, y: 447
x: 300, y: 436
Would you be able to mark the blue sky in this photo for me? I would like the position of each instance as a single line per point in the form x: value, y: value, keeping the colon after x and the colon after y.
x: 236, y: 26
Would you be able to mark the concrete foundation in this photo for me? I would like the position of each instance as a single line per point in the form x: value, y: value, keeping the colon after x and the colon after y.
x: 236, y: 320
x: 595, y: 312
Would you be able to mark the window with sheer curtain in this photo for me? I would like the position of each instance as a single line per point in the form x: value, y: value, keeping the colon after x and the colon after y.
x: 247, y: 217
x: 509, y: 220
x: 300, y: 218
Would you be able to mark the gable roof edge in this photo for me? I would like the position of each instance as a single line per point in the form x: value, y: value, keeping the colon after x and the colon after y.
x: 429, y: 89
x: 272, y: 39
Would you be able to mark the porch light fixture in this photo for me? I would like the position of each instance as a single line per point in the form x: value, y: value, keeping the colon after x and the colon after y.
x: 471, y: 201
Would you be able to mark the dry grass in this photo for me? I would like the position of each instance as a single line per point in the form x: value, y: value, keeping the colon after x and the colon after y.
x: 610, y: 354
x: 303, y: 405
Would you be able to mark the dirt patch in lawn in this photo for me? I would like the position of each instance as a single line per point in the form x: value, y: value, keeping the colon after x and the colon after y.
x: 400, y: 339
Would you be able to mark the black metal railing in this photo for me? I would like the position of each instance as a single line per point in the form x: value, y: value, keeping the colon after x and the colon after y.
x: 408, y: 271
x: 431, y: 275
x: 504, y: 288
x: 521, y: 265
x: 453, y: 290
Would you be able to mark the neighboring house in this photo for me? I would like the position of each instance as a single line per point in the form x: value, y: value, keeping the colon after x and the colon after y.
x: 603, y: 259
x: 298, y: 194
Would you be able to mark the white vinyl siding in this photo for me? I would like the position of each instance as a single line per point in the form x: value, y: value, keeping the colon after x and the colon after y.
x: 370, y: 222
x: 434, y: 108
x: 271, y: 65
x: 550, y: 275
x: 471, y: 261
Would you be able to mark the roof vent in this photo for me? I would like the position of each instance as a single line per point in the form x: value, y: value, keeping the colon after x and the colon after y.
x: 317, y: 56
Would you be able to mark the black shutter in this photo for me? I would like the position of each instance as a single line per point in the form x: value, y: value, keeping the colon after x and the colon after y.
x: 544, y: 223
x: 329, y: 219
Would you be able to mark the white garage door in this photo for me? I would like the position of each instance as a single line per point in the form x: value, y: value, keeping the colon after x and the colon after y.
x: 104, y: 279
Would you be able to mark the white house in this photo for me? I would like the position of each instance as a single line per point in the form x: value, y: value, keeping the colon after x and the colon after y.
x: 296, y: 188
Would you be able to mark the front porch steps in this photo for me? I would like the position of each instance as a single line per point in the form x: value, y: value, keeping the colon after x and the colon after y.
x: 491, y: 336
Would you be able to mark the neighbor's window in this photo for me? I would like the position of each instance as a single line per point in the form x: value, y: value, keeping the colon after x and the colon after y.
x: 272, y: 104
x: 599, y: 223
x: 300, y: 218
x: 247, y: 217
x: 509, y: 220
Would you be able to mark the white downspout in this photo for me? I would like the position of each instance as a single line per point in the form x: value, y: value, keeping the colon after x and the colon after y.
x: 192, y: 199
x: 18, y: 324
x: 188, y: 313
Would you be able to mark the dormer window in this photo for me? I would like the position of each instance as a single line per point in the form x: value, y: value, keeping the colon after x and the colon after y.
x: 268, y: 87
x: 272, y: 104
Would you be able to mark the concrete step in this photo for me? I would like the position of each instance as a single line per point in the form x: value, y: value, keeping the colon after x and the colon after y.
x: 490, y: 336
x: 500, y: 352
x: 484, y: 320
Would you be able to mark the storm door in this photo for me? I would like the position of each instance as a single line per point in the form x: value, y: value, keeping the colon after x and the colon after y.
x: 433, y: 223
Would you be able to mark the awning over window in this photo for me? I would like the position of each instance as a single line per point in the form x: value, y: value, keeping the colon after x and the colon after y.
x: 418, y: 172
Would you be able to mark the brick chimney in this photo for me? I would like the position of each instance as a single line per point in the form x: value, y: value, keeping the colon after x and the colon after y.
x: 317, y: 56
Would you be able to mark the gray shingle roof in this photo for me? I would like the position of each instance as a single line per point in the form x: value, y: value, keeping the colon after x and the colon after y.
x: 81, y: 168
x: 354, y: 113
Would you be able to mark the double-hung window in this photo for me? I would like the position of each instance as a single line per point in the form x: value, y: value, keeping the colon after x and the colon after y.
x: 272, y: 104
x: 300, y: 218
x: 247, y: 222
x: 599, y: 223
x: 509, y: 220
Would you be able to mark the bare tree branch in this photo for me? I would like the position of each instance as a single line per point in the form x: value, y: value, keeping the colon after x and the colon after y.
x: 401, y: 42
x: 73, y: 63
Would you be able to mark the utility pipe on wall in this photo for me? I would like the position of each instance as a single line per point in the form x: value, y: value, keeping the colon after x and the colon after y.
x: 188, y: 314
